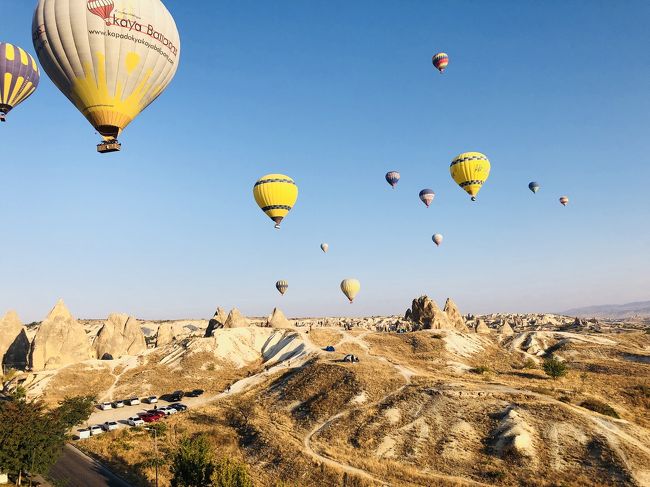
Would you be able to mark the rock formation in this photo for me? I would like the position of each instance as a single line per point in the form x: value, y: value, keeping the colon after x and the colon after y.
x: 59, y: 341
x: 217, y: 321
x: 120, y: 335
x: 166, y: 334
x: 428, y: 315
x: 14, y: 344
x: 481, y: 327
x: 236, y: 320
x: 506, y: 329
x: 278, y: 320
x: 455, y: 318
x: 514, y: 436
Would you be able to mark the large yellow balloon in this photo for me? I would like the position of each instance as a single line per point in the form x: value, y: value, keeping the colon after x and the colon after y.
x: 275, y: 194
x: 350, y: 288
x: 470, y: 170
x: 111, y: 58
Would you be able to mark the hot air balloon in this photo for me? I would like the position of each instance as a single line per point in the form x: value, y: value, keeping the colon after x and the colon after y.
x: 564, y: 200
x: 440, y: 61
x: 427, y: 195
x: 282, y: 286
x: 275, y: 194
x: 470, y: 170
x: 393, y: 178
x: 19, y: 77
x: 350, y: 288
x: 437, y: 239
x: 534, y: 187
x: 324, y: 247
x: 111, y: 58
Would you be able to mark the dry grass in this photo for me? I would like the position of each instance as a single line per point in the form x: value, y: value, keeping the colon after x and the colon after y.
x: 78, y: 380
x: 323, y: 337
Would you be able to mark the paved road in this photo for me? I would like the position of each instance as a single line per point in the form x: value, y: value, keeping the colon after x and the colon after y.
x: 79, y: 470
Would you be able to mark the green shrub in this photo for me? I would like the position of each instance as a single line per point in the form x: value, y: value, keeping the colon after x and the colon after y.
x: 599, y: 407
x: 530, y: 364
x: 481, y: 369
x: 231, y: 473
x: 192, y: 464
x: 555, y: 368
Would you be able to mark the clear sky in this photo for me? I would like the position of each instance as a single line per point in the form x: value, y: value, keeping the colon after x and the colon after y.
x: 335, y: 94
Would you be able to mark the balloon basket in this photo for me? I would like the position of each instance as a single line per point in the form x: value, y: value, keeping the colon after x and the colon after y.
x: 2, y: 117
x: 110, y: 146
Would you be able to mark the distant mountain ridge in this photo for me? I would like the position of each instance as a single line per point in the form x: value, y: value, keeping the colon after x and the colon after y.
x: 639, y: 309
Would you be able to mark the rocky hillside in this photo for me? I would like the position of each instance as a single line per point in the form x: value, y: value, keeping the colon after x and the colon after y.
x: 614, y: 311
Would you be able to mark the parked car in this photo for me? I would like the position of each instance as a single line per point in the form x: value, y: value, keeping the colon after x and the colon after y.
x: 195, y: 393
x: 168, y: 410
x: 134, y: 401
x: 96, y: 430
x: 110, y: 425
x: 151, y: 399
x: 150, y: 418
x: 84, y: 433
x: 176, y: 396
x: 118, y: 404
x: 135, y: 421
x: 179, y: 407
x: 105, y: 406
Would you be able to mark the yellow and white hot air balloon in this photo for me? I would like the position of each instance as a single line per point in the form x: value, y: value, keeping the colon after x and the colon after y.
x: 350, y: 288
x: 111, y: 58
x: 470, y: 170
x: 275, y: 194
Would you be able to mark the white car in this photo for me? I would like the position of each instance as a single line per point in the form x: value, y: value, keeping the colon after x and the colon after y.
x: 134, y: 401
x: 168, y: 410
x: 110, y: 425
x: 96, y: 430
x: 135, y: 421
x: 118, y: 404
x: 84, y: 433
x: 152, y: 399
x: 105, y: 406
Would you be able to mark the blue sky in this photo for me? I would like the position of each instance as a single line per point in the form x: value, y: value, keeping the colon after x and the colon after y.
x: 335, y: 94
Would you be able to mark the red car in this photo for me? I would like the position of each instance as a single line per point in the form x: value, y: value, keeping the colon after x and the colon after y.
x: 157, y: 412
x: 150, y: 418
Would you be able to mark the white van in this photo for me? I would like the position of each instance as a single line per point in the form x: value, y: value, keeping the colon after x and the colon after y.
x: 84, y: 433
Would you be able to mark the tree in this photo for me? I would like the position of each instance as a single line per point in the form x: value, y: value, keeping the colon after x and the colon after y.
x: 231, y: 473
x: 555, y: 368
x: 75, y: 410
x: 193, y: 464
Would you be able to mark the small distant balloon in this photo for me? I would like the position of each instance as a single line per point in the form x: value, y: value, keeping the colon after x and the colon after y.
x: 19, y: 77
x: 440, y: 61
x: 437, y: 239
x: 534, y: 187
x: 427, y: 195
x: 393, y: 178
x: 564, y: 200
x: 282, y: 286
x: 350, y: 288
x: 324, y: 247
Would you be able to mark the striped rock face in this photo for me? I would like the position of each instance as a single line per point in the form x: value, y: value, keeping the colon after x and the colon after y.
x: 19, y: 76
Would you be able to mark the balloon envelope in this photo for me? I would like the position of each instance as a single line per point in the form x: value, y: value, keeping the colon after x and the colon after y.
x: 564, y: 200
x: 111, y: 58
x: 393, y: 178
x: 282, y: 286
x: 437, y: 239
x: 427, y: 195
x: 470, y: 170
x: 534, y: 187
x: 324, y: 247
x: 350, y: 288
x: 275, y: 194
x: 19, y: 77
x: 440, y: 61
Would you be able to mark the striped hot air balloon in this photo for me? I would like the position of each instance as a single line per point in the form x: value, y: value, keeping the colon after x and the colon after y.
x: 427, y: 195
x: 102, y: 8
x: 19, y: 77
x: 350, y: 288
x: 470, y: 170
x: 282, y: 286
x: 275, y: 194
x: 393, y: 178
x: 440, y: 61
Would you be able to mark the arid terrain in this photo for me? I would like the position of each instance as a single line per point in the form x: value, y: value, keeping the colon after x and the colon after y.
x: 436, y: 398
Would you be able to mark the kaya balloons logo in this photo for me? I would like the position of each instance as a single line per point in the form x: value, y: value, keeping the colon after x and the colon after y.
x: 102, y: 8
